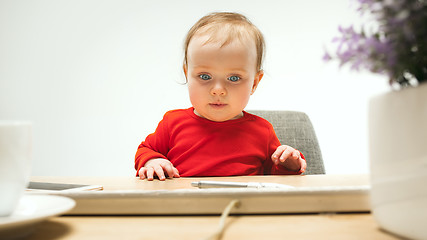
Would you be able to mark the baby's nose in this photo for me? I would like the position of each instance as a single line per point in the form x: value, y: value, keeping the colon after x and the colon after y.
x: 218, y: 90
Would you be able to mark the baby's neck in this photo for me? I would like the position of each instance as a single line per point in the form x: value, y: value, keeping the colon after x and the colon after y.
x: 236, y: 117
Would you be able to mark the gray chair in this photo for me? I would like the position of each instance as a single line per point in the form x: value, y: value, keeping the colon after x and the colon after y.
x: 295, y: 129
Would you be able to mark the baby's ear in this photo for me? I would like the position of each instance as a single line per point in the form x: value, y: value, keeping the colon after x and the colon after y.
x: 184, y: 67
x: 257, y: 79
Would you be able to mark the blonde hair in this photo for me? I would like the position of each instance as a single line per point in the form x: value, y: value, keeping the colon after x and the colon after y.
x: 226, y: 27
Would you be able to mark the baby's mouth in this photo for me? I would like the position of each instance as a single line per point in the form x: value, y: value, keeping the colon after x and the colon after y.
x: 217, y: 105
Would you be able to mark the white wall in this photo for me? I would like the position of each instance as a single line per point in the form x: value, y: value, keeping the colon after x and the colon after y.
x: 96, y: 76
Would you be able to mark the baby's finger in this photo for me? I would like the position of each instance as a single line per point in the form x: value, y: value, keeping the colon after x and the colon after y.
x: 296, y: 154
x: 175, y: 173
x: 285, y: 155
x: 168, y: 169
x: 159, y: 172
x: 303, y: 165
x: 275, y: 156
x: 141, y: 173
x: 150, y: 173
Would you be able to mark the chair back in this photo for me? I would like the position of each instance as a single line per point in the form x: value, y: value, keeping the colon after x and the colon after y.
x: 295, y: 129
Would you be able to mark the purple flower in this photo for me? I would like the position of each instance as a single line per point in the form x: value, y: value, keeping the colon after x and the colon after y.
x: 397, y: 48
x: 326, y: 57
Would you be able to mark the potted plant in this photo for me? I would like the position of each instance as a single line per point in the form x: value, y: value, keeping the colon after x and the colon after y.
x: 395, y: 46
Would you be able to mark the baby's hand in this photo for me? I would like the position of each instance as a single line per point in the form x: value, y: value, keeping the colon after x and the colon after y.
x: 290, y: 158
x: 159, y: 167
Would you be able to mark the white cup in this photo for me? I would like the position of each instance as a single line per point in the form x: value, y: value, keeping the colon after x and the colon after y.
x: 15, y: 163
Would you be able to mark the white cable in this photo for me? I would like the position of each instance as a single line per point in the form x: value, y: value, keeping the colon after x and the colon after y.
x: 217, y: 235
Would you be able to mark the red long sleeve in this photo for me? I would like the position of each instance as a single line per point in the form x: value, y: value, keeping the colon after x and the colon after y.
x: 199, y: 147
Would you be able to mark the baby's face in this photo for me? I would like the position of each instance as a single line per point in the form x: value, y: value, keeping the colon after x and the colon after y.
x: 221, y: 79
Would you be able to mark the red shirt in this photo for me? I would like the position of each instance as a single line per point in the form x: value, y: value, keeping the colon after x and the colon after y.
x: 200, y: 147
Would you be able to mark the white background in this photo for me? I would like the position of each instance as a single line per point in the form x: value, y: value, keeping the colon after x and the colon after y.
x: 96, y: 76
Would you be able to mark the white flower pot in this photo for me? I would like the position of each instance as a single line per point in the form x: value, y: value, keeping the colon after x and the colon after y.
x: 398, y: 157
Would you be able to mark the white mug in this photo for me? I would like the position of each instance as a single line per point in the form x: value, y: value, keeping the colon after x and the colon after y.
x: 15, y: 163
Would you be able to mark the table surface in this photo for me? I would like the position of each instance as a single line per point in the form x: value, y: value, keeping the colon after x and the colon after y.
x: 134, y: 183
x: 279, y: 226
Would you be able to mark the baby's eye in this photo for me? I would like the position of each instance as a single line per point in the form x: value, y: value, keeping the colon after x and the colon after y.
x: 205, y: 77
x: 234, y: 78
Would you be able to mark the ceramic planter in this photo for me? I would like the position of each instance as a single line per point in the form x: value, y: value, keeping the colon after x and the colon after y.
x: 398, y: 161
